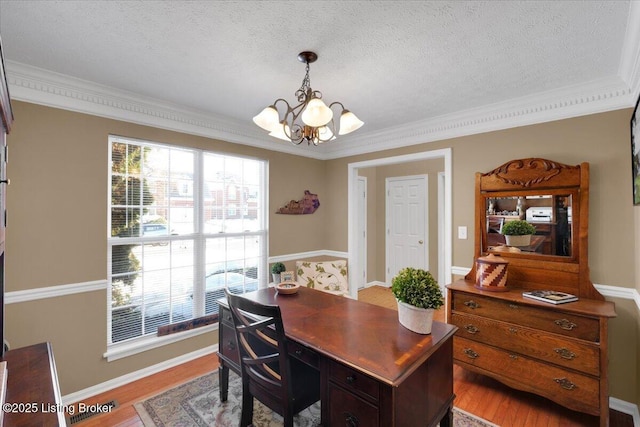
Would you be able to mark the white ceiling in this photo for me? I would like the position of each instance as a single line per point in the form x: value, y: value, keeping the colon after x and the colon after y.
x: 413, y: 71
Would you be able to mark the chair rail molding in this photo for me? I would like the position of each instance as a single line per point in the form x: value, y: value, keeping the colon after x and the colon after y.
x: 34, y: 294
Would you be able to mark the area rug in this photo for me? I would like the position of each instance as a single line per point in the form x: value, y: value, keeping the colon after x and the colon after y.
x: 197, y: 403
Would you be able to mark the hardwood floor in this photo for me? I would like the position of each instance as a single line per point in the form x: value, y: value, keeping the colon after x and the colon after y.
x: 475, y: 393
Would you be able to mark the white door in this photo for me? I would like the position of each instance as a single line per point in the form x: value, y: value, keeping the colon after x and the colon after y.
x: 362, y: 233
x: 406, y: 221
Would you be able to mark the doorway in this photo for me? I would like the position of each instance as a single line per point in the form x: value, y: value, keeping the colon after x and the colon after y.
x: 361, y: 274
x: 354, y: 209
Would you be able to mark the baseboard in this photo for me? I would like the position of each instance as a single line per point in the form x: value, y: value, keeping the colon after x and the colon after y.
x: 376, y: 283
x: 137, y: 375
x: 626, y: 408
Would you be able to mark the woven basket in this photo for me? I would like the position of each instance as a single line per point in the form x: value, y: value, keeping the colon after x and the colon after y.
x: 491, y: 273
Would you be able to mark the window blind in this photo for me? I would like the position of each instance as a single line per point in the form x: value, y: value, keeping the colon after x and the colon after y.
x: 184, y: 224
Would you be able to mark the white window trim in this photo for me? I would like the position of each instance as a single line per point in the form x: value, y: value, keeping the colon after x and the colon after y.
x: 119, y: 350
x: 138, y: 345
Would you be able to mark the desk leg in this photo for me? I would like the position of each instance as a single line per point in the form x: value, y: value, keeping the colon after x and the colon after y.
x: 447, y: 420
x: 223, y: 375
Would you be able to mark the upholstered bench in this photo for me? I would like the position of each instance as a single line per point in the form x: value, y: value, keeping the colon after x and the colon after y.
x: 327, y: 276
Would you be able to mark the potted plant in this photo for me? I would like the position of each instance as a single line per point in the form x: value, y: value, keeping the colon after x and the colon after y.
x: 518, y: 232
x: 276, y: 269
x: 418, y: 295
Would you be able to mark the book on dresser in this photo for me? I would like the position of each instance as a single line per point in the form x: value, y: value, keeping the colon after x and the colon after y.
x: 552, y: 297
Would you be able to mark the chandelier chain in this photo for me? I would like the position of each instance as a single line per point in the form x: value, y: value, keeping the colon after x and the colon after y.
x: 305, y: 88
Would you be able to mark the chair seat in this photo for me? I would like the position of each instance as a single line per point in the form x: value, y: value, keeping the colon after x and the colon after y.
x: 305, y: 389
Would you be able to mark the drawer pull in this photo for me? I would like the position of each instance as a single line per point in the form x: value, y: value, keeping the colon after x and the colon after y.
x: 565, y: 383
x: 298, y: 353
x: 565, y: 324
x: 513, y: 330
x: 514, y: 306
x: 472, y: 329
x: 470, y: 353
x: 351, y: 379
x: 513, y: 356
x: 351, y: 420
x: 231, y: 345
x: 565, y: 353
x: 471, y: 304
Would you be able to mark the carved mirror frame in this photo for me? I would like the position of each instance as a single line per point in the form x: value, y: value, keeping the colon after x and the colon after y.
x: 536, y: 177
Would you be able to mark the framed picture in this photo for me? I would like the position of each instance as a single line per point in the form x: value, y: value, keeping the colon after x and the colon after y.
x: 635, y: 153
x: 286, y: 276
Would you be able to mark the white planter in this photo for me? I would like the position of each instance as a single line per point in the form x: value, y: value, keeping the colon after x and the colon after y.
x: 275, y: 277
x: 518, y: 240
x: 415, y: 319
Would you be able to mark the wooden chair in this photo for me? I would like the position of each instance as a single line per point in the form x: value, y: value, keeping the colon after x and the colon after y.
x: 283, y: 383
x: 494, y: 225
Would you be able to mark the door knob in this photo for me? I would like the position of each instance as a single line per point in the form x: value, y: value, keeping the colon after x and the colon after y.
x: 420, y: 241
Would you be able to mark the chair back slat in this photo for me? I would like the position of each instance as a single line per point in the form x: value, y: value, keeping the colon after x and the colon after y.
x: 262, y: 342
x: 265, y: 364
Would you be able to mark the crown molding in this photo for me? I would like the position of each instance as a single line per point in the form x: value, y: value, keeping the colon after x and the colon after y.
x: 43, y: 87
x: 578, y: 100
x: 629, y: 69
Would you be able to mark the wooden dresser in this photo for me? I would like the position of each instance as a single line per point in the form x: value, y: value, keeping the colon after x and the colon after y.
x: 556, y: 351
x: 559, y: 352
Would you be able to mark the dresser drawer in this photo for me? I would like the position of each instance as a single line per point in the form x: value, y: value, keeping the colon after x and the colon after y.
x: 303, y: 353
x: 529, y: 342
x: 228, y: 345
x: 550, y: 320
x: 350, y: 410
x: 354, y: 381
x: 576, y: 391
x: 225, y: 316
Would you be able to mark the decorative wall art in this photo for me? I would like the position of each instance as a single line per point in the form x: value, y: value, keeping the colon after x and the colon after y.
x: 307, y: 205
x: 635, y: 153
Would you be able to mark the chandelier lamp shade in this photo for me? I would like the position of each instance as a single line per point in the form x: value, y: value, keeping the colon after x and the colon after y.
x: 311, y: 120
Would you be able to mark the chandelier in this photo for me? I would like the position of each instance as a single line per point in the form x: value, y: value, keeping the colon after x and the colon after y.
x: 310, y: 120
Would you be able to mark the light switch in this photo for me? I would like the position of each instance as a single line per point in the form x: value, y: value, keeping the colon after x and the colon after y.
x: 462, y: 232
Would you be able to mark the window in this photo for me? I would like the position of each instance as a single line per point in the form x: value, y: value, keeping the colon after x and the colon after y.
x: 183, y: 225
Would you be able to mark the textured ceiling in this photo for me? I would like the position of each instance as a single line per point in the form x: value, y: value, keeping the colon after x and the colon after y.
x: 391, y: 63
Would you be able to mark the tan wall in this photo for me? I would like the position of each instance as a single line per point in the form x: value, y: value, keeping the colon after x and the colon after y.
x: 57, y: 222
x: 57, y: 232
x: 600, y: 139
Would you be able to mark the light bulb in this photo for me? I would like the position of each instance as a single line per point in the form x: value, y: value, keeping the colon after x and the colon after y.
x: 281, y: 131
x: 349, y: 122
x: 325, y: 134
x: 316, y: 113
x: 268, y: 119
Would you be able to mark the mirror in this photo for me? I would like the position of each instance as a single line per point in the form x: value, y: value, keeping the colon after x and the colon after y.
x: 555, y: 196
x: 551, y: 215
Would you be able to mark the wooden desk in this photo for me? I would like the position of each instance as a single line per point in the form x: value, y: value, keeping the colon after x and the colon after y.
x: 374, y: 372
x: 32, y: 388
x: 496, y: 239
